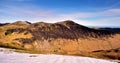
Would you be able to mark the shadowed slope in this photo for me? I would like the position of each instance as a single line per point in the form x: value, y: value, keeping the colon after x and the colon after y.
x: 66, y: 30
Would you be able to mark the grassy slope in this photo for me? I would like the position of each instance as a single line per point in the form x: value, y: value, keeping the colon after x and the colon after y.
x: 8, y: 40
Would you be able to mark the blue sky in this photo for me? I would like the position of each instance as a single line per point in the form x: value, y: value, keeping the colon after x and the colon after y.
x: 85, y: 12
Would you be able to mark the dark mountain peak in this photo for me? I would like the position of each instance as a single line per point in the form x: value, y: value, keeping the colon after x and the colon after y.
x: 67, y: 22
x: 73, y: 26
x: 66, y: 29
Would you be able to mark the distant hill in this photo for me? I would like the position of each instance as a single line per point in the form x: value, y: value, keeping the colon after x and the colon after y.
x: 113, y: 30
x: 65, y: 37
x: 21, y: 23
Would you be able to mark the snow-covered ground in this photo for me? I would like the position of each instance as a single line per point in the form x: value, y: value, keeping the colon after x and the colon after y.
x: 8, y: 56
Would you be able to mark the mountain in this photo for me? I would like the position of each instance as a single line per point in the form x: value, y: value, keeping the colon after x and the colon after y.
x: 65, y: 37
x: 2, y: 24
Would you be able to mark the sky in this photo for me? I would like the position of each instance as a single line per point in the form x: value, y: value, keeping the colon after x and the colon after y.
x: 85, y: 12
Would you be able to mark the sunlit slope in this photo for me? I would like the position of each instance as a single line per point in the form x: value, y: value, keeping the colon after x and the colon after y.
x: 10, y: 32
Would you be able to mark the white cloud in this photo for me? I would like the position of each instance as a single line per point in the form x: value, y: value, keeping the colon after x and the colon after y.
x: 77, y: 15
x: 101, y: 18
x: 112, y: 12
